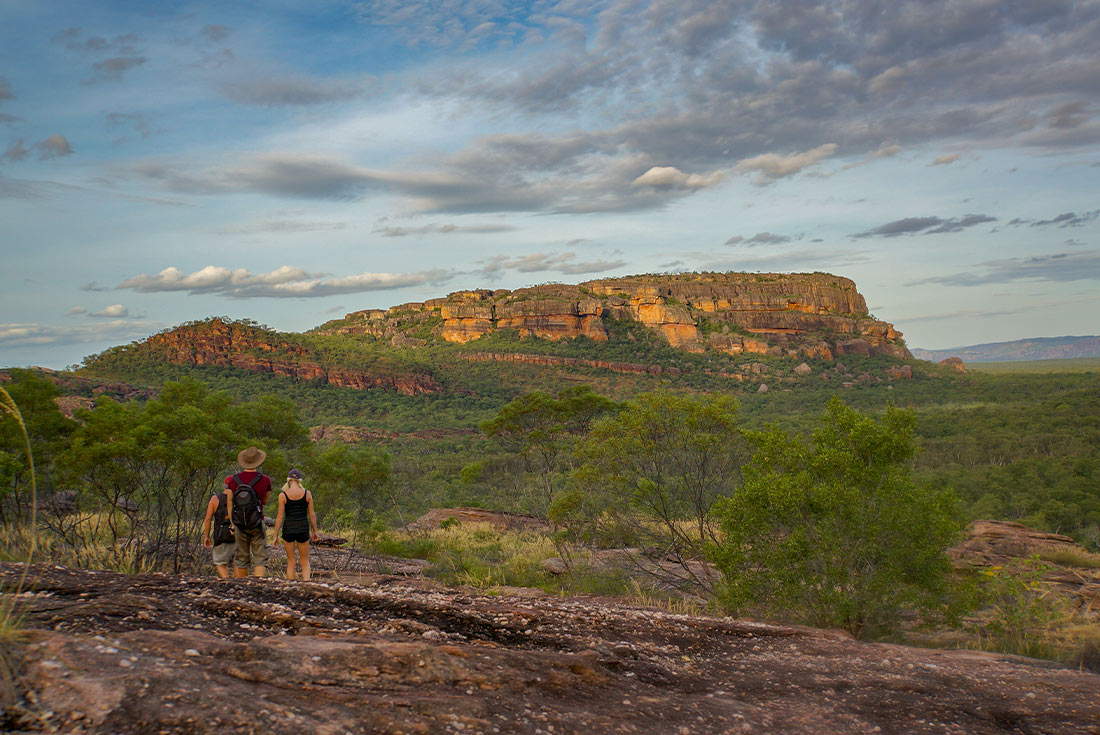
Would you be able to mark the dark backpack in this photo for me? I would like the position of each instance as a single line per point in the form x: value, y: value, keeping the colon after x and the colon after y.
x: 223, y: 531
x: 248, y: 513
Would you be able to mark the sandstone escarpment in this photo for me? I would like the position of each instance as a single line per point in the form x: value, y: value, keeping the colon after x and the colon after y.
x: 811, y: 315
x: 234, y: 344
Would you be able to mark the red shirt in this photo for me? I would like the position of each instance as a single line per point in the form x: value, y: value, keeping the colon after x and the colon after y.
x: 262, y: 486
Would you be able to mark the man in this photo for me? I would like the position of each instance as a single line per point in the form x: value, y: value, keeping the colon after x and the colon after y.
x: 221, y: 543
x: 248, y: 488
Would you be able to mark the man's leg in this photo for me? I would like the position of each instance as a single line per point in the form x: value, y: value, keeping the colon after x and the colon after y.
x: 258, y: 543
x: 222, y: 570
x: 241, y: 554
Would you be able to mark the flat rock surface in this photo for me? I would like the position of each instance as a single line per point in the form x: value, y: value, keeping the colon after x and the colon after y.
x: 111, y: 653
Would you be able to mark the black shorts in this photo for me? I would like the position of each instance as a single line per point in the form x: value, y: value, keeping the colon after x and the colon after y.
x: 296, y: 538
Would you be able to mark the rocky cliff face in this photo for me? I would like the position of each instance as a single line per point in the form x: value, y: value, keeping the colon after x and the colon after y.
x: 225, y: 344
x: 813, y: 315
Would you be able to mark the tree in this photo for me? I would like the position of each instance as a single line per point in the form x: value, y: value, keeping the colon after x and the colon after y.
x: 149, y: 469
x: 47, y: 429
x: 545, y: 429
x: 835, y: 533
x: 350, y: 480
x: 652, y: 472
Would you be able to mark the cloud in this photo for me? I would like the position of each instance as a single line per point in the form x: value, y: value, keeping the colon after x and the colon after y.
x: 564, y: 263
x: 291, y: 91
x: 213, y: 32
x: 447, y: 229
x: 72, y: 39
x: 112, y: 70
x: 760, y: 238
x: 5, y: 90
x: 17, y: 151
x: 926, y: 225
x: 76, y: 310
x: 54, y: 146
x: 788, y: 261
x: 93, y: 286
x: 945, y: 159
x: 114, y: 311
x: 280, y: 226
x: 284, y: 282
x: 1069, y: 219
x: 772, y: 167
x: 113, y: 330
x: 139, y: 123
x: 1058, y: 267
x: 670, y: 177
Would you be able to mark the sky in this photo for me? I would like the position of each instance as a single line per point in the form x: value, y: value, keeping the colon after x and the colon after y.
x: 289, y: 161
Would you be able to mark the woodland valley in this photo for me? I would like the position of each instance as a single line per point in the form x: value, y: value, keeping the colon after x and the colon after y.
x: 705, y: 447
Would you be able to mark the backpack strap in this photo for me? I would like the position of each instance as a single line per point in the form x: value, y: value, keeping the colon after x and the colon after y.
x: 249, y: 485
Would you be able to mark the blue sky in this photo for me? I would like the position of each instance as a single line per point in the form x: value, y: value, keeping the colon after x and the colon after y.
x: 291, y: 161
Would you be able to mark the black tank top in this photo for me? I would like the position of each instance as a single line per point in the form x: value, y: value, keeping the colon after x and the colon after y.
x: 297, y: 515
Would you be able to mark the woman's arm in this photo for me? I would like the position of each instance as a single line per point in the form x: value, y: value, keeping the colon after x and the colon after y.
x: 210, y: 508
x: 313, y: 536
x: 280, y: 517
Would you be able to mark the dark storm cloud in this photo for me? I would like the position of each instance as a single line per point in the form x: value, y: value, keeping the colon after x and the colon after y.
x: 926, y: 226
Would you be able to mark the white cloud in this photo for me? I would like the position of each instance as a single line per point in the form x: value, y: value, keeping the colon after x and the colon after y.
x: 114, y: 311
x: 114, y: 330
x: 771, y: 166
x: 945, y: 159
x: 283, y: 282
x: 670, y: 177
x: 76, y: 310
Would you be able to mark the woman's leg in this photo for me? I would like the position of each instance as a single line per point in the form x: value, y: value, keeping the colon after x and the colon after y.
x: 303, y: 553
x: 289, y: 560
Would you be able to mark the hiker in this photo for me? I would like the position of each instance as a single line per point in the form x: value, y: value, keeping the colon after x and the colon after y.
x: 246, y: 493
x: 296, y: 508
x: 221, y: 542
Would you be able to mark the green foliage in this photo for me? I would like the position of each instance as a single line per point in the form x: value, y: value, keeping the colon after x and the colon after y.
x: 1020, y: 611
x: 836, y: 533
x: 150, y: 469
x: 47, y: 430
x: 544, y: 429
x: 653, y: 471
x: 348, y: 480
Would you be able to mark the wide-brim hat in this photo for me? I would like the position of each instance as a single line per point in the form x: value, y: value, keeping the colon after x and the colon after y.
x: 251, y: 458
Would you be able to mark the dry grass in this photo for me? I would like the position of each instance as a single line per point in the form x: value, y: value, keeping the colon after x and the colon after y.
x: 1071, y: 558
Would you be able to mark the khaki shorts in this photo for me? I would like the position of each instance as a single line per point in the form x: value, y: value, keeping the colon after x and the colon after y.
x: 251, y: 548
x: 223, y: 553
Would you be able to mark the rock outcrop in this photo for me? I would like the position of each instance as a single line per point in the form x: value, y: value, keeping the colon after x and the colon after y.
x: 246, y: 347
x: 813, y: 315
x: 122, y: 654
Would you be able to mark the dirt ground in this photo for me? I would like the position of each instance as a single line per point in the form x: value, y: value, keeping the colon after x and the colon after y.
x: 109, y: 653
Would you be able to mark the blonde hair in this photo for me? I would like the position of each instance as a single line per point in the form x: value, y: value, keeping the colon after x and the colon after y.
x: 286, y: 485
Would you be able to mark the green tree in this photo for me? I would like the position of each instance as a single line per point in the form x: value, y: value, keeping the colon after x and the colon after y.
x: 347, y: 481
x: 545, y: 429
x: 835, y: 533
x: 149, y: 469
x: 48, y: 430
x: 651, y: 473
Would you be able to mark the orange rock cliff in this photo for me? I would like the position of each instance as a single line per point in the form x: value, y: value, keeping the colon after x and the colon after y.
x: 812, y: 315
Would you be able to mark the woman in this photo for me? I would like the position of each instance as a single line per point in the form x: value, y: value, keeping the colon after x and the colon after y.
x: 296, y: 509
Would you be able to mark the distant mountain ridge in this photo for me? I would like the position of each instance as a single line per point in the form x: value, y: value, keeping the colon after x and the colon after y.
x: 1035, y: 348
